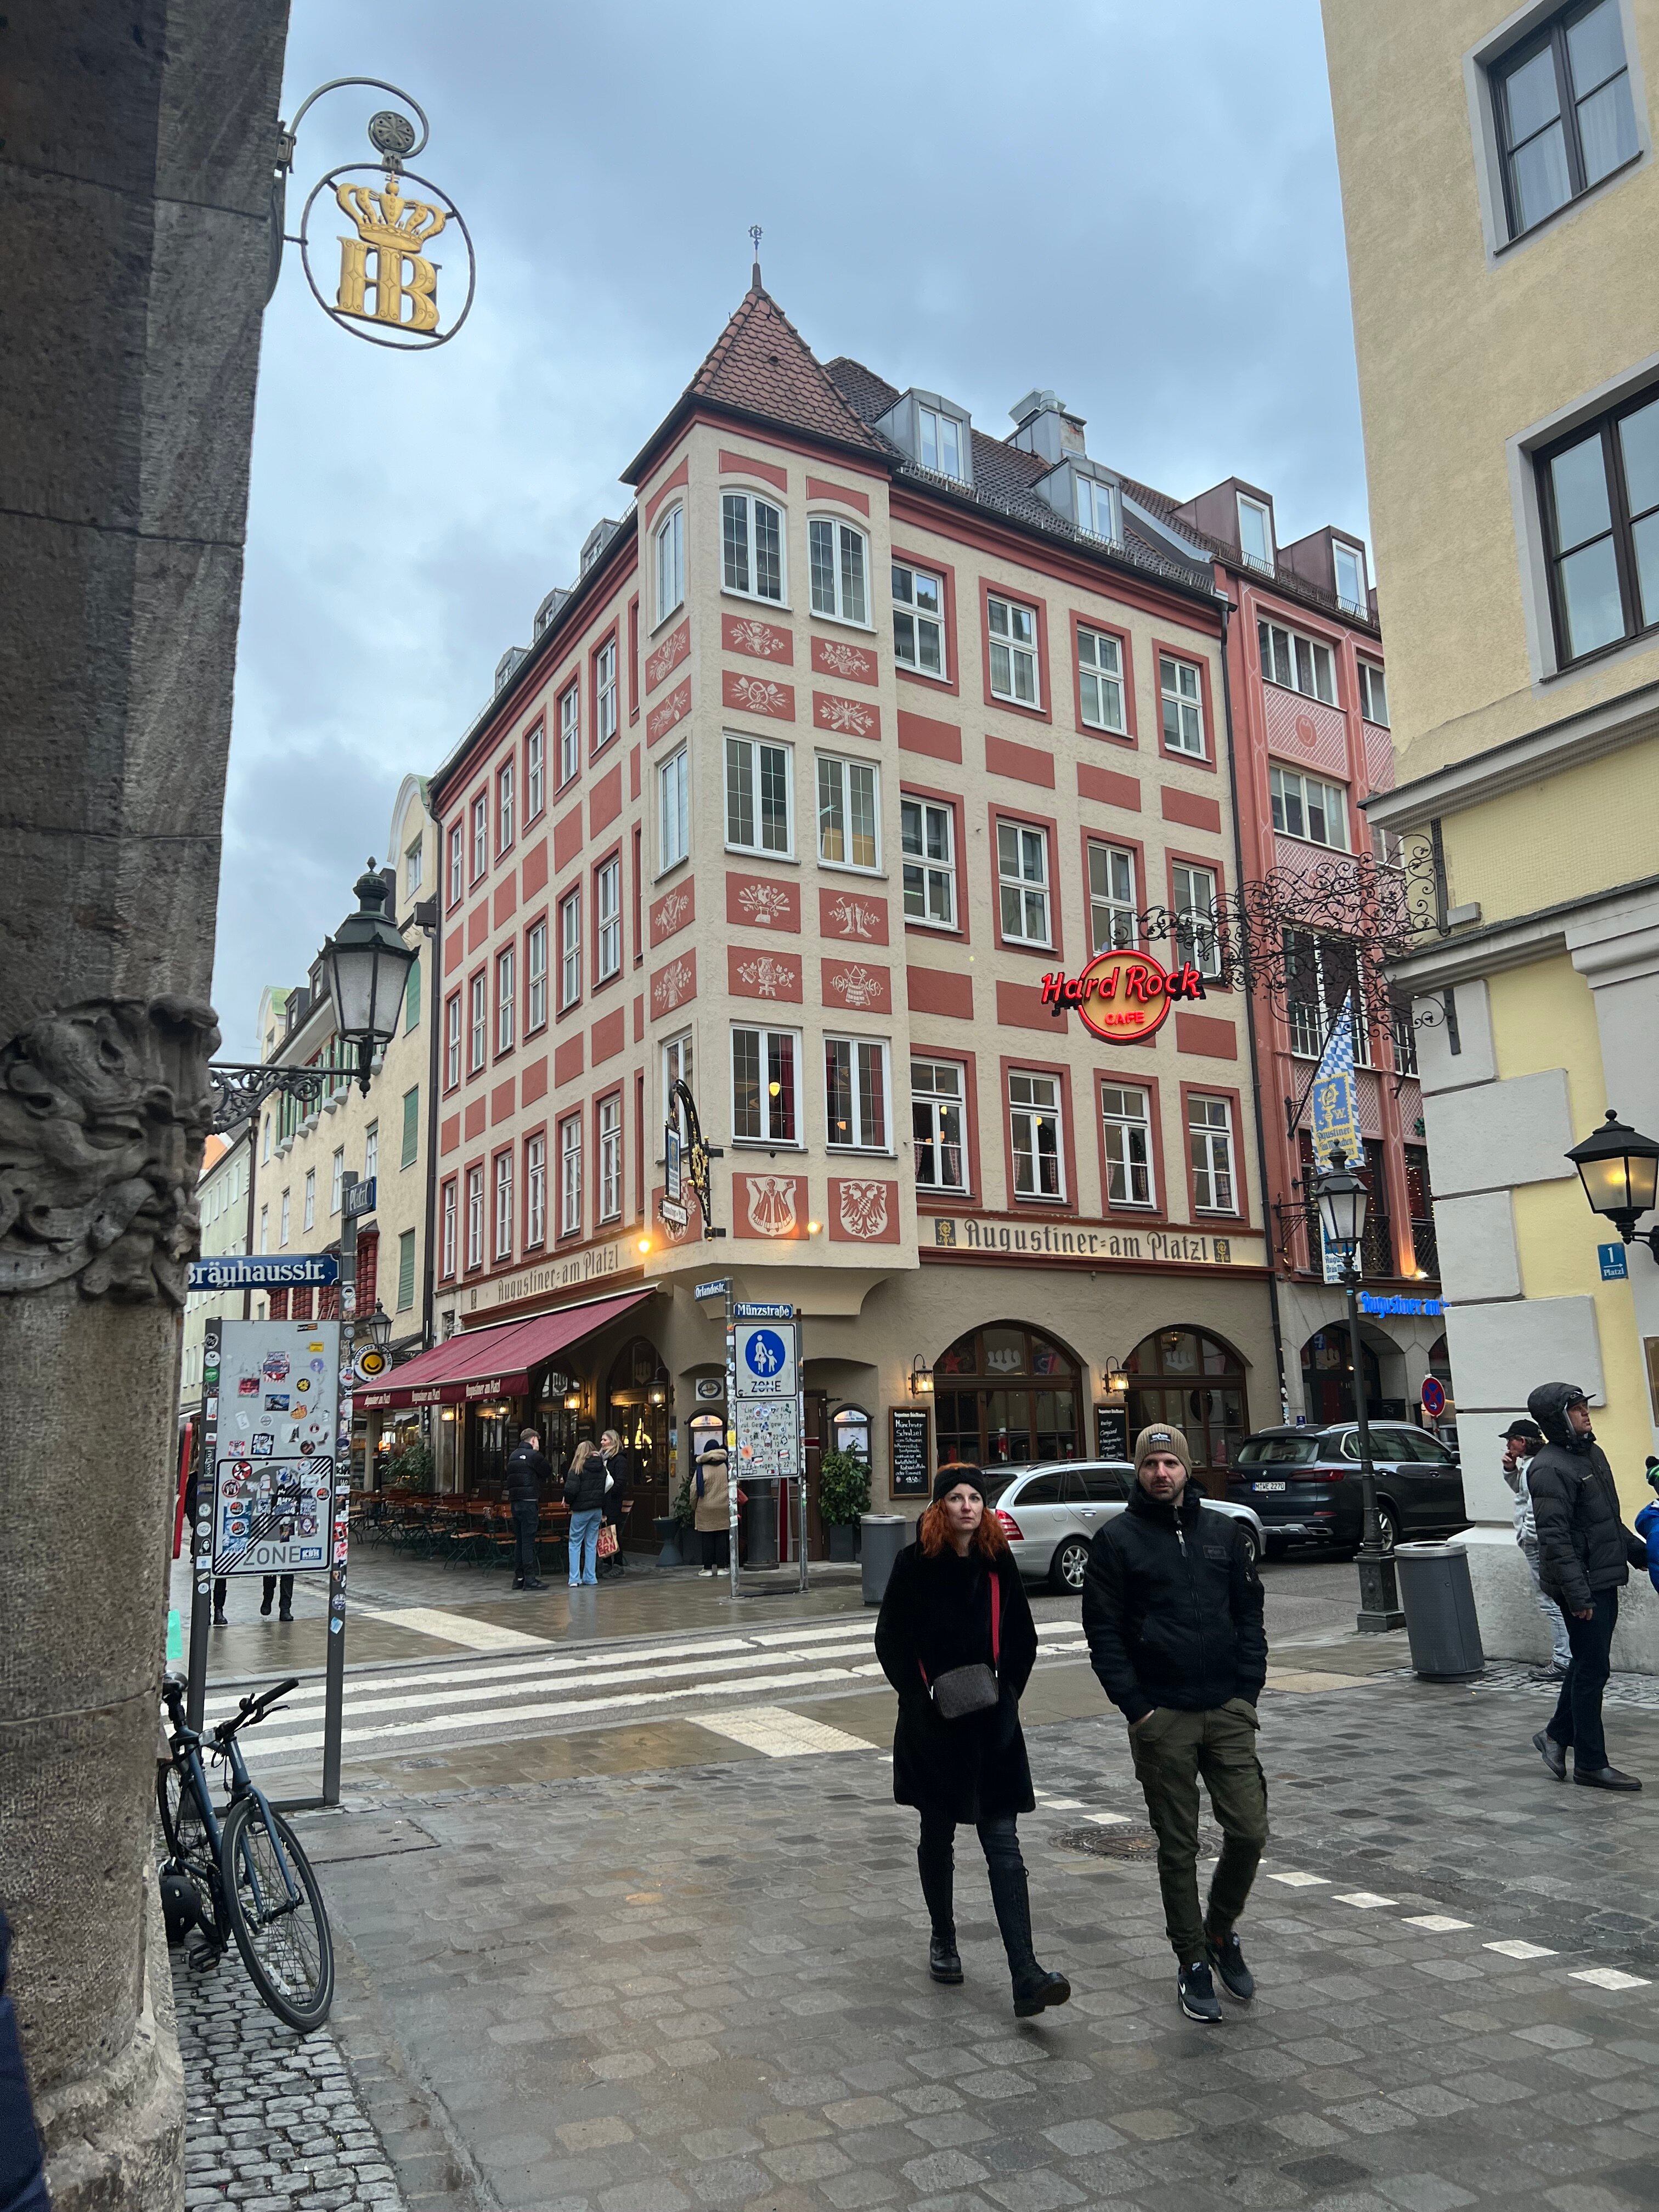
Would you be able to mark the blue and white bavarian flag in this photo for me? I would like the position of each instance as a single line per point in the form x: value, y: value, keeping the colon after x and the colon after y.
x: 1334, y: 1112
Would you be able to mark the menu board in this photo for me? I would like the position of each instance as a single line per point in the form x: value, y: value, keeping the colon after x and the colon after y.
x: 1111, y: 1432
x: 910, y: 1473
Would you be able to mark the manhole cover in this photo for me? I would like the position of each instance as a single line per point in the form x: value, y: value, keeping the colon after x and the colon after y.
x: 1108, y: 1843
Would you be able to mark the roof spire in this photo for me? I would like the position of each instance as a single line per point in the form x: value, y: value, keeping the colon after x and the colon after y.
x: 755, y: 284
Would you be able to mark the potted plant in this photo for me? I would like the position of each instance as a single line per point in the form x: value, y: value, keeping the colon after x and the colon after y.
x: 411, y: 1469
x: 843, y: 1495
x: 669, y: 1525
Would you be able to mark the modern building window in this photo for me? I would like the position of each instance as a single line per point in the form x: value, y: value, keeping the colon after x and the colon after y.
x: 457, y: 862
x: 765, y: 1090
x: 673, y: 809
x: 535, y: 976
x: 1198, y: 932
x: 479, y: 1024
x: 336, y: 1180
x: 535, y: 772
x: 1033, y: 1130
x: 609, y: 1122
x: 446, y: 1233
x: 409, y: 1151
x: 757, y: 797
x: 1300, y: 663
x: 1350, y: 564
x: 281, y: 1232
x: 480, y: 835
x: 936, y: 1124
x: 676, y: 1068
x: 919, y: 621
x: 1255, y: 533
x: 1126, y: 1128
x: 1097, y: 508
x: 938, y: 438
x: 1013, y: 650
x: 405, y: 1270
x: 1373, y: 693
x: 413, y: 864
x: 1113, y: 910
x: 752, y: 546
x: 604, y: 694
x: 928, y: 836
x: 671, y: 562
x: 1210, y: 1137
x: 570, y: 949
x: 535, y: 1190
x: 451, y: 1040
x: 503, y: 1206
x: 1566, y: 119
x: 1304, y: 807
x: 475, y: 1217
x: 570, y: 733
x: 1023, y: 883
x: 570, y: 1175
x: 412, y: 998
x: 504, y: 797
x: 607, y: 899
x: 847, y: 812
x: 371, y: 1152
x: 308, y: 1216
x: 1181, y: 693
x: 1100, y: 680
x: 840, y: 568
x: 1599, y: 493
x: 855, y: 1094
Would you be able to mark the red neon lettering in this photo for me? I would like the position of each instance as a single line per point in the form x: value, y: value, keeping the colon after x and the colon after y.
x: 1052, y: 987
x: 1140, y: 982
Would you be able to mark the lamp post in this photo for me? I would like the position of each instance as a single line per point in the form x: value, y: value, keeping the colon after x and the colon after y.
x: 1619, y: 1169
x: 1342, y: 1202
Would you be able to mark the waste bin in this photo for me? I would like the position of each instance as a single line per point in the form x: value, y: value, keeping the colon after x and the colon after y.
x: 1438, y: 1601
x: 885, y: 1536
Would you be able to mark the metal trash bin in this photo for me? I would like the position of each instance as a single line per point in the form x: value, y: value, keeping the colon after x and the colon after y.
x: 1438, y: 1601
x: 885, y: 1536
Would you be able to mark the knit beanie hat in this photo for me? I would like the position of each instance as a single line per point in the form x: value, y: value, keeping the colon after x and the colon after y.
x: 1158, y: 1438
x: 948, y: 1478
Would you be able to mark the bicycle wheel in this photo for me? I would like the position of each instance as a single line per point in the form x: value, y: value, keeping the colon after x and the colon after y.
x: 283, y: 1938
x: 188, y: 1846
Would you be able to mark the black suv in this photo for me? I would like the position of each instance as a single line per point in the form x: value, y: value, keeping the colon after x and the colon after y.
x: 1305, y: 1484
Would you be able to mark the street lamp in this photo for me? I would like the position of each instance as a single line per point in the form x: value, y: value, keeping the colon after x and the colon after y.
x: 376, y: 1326
x: 1342, y: 1202
x: 1619, y: 1169
x: 369, y: 966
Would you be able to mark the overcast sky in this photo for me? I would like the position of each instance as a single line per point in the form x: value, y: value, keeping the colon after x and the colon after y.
x: 1136, y: 206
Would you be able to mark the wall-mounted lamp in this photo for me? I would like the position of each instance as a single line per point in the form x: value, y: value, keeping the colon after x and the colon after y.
x: 813, y: 1227
x: 1115, y: 1378
x: 921, y: 1378
x: 645, y: 1244
x: 660, y: 1396
x: 1619, y: 1169
x: 573, y: 1403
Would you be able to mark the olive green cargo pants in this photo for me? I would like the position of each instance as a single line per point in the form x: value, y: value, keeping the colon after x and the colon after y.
x: 1171, y: 1750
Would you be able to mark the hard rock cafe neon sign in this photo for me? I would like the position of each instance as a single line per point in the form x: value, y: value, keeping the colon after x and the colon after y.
x: 1122, y: 997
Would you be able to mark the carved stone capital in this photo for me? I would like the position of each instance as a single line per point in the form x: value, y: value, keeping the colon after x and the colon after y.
x: 104, y: 1109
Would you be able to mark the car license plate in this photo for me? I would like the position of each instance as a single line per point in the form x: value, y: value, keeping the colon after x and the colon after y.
x: 1269, y: 1485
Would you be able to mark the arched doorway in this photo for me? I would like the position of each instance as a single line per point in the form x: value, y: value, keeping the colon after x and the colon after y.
x: 1194, y: 1382
x: 639, y: 1406
x: 1007, y: 1394
x: 1327, y: 1376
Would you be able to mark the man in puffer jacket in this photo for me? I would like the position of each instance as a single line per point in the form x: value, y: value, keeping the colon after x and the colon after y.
x: 1585, y: 1554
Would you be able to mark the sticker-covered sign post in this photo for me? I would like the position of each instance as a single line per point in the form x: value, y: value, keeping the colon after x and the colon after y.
x: 764, y: 1391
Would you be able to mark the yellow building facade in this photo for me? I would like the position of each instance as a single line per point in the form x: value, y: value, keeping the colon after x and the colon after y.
x: 1501, y: 196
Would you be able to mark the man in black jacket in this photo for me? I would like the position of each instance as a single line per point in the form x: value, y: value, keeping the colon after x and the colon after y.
x: 1585, y: 1552
x: 1172, y: 1610
x: 526, y: 1471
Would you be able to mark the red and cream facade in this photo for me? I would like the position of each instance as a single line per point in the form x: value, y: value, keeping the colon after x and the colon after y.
x: 713, y: 825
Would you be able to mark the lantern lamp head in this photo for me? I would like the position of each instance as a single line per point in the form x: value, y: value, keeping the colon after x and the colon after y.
x: 369, y: 966
x: 1619, y: 1169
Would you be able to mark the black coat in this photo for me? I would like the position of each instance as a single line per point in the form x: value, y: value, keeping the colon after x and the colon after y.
x: 936, y: 1615
x: 1583, y: 1544
x: 526, y: 1471
x: 1172, y: 1609
x: 615, y: 1498
x: 584, y: 1489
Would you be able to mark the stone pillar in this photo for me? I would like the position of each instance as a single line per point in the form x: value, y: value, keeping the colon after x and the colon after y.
x: 135, y: 176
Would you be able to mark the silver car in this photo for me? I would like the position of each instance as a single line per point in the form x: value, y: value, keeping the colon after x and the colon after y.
x: 1051, y: 1511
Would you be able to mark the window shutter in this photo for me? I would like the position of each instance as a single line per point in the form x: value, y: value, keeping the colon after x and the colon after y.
x: 411, y: 1126
x: 412, y: 999
x: 406, y: 1270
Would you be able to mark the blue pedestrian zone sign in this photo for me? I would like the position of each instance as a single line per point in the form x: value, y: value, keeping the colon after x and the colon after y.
x: 1615, y: 1269
x: 765, y: 1352
x: 766, y: 1357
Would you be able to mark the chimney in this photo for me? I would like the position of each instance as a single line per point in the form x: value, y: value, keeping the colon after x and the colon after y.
x: 1043, y: 427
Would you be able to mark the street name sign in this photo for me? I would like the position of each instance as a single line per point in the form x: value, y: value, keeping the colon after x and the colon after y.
x: 261, y: 1271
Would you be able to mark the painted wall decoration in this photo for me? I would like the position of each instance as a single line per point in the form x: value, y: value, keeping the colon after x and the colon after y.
x: 763, y: 902
x: 768, y: 1206
x: 672, y: 986
x: 856, y: 914
x: 668, y: 656
x: 764, y: 640
x: 853, y: 664
x: 751, y: 974
x: 673, y: 910
x: 861, y: 988
x: 669, y: 711
x: 758, y: 695
x: 863, y: 1210
x: 847, y: 718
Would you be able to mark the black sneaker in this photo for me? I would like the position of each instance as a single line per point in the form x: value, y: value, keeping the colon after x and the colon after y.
x: 1227, y: 1961
x: 1197, y: 1993
x: 1038, y: 1992
x: 943, y: 1962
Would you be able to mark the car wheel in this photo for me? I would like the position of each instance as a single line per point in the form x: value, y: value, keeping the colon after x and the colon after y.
x: 1252, y: 1548
x: 1387, y: 1524
x: 1066, y: 1572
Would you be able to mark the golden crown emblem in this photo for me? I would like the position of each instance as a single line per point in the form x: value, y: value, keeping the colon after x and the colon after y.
x: 386, y: 219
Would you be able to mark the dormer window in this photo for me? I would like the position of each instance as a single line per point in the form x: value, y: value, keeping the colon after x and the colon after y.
x: 1255, y: 533
x: 938, y: 441
x: 1350, y: 577
x: 1096, y: 508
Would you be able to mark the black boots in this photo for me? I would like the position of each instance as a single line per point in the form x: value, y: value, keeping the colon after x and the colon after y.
x: 1553, y: 1754
x: 1034, y: 1989
x: 935, y: 1864
x: 943, y: 1963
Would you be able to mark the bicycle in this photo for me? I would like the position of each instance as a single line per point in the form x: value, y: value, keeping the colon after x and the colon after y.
x: 245, y: 1873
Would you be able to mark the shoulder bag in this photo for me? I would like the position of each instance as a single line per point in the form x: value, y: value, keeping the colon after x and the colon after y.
x: 964, y: 1690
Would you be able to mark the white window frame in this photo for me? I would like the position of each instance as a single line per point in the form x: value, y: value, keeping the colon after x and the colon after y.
x: 336, y: 1180
x: 475, y: 1216
x: 283, y: 1225
x: 535, y: 1191
x: 479, y: 1012
x: 570, y: 948
x: 671, y: 562
x: 535, y: 772
x: 457, y: 861
x: 308, y: 1205
x: 1210, y: 1145
x: 1189, y: 742
x: 451, y: 1040
x: 414, y: 866
x: 870, y: 1093
x: 604, y: 694
x: 1109, y: 898
x: 506, y: 998
x: 947, y: 433
x: 1027, y: 1112
x: 930, y: 1100
x: 371, y: 1152
x: 502, y: 1239
x: 679, y: 1057
x: 264, y: 1228
x: 1288, y: 655
x: 1360, y: 603
x: 1373, y: 693
x: 1017, y: 882
x: 1017, y: 649
x: 924, y: 872
x: 608, y: 928
x: 570, y: 1175
x: 739, y: 558
x: 838, y: 604
x: 748, y: 753
x: 535, y: 976
x: 1293, y: 794
x: 772, y: 1138
x: 1100, y: 669
x: 835, y: 778
x: 570, y: 731
x: 1127, y: 1132
x: 480, y: 836
x: 608, y: 1138
x: 906, y: 609
x: 1200, y: 945
x: 1266, y: 560
x: 448, y: 1230
x: 673, y: 810
x: 506, y: 792
x: 1096, y: 501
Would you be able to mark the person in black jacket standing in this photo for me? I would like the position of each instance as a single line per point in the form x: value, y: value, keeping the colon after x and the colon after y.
x: 1585, y: 1554
x: 526, y: 1471
x: 956, y: 1628
x: 1172, y: 1610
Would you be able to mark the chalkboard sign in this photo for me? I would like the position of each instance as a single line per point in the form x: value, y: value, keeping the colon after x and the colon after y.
x: 1111, y: 1432
x: 909, y: 1476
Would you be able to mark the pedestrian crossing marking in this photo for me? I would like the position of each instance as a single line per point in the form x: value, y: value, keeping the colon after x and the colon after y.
x: 780, y: 1734
x: 1609, y: 1977
x: 1364, y: 1900
x: 454, y: 1628
x: 1292, y: 1879
x: 1438, y: 1924
x: 1514, y: 1948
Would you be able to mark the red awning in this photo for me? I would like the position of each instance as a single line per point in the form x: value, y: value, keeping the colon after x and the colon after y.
x: 495, y: 1363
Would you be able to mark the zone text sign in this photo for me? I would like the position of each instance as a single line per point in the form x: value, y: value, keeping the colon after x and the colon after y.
x: 272, y: 1414
x: 767, y: 1360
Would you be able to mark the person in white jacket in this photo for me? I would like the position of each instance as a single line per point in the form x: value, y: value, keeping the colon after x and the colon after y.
x: 1520, y: 1440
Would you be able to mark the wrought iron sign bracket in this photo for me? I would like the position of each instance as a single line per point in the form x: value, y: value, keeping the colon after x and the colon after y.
x: 698, y: 1152
x: 238, y: 1091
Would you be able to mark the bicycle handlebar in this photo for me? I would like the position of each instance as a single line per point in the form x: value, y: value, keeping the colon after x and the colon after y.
x: 251, y: 1711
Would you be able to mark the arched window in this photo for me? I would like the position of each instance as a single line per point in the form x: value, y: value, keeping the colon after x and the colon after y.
x: 1196, y: 1382
x: 841, y: 569
x: 671, y: 562
x: 1007, y: 1394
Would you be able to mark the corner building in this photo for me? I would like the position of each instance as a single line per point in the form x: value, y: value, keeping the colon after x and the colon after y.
x: 859, y: 723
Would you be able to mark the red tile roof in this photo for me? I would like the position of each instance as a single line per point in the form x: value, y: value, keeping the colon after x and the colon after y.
x: 761, y: 366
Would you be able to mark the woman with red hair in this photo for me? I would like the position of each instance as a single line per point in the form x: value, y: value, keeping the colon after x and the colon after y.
x: 957, y: 1641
